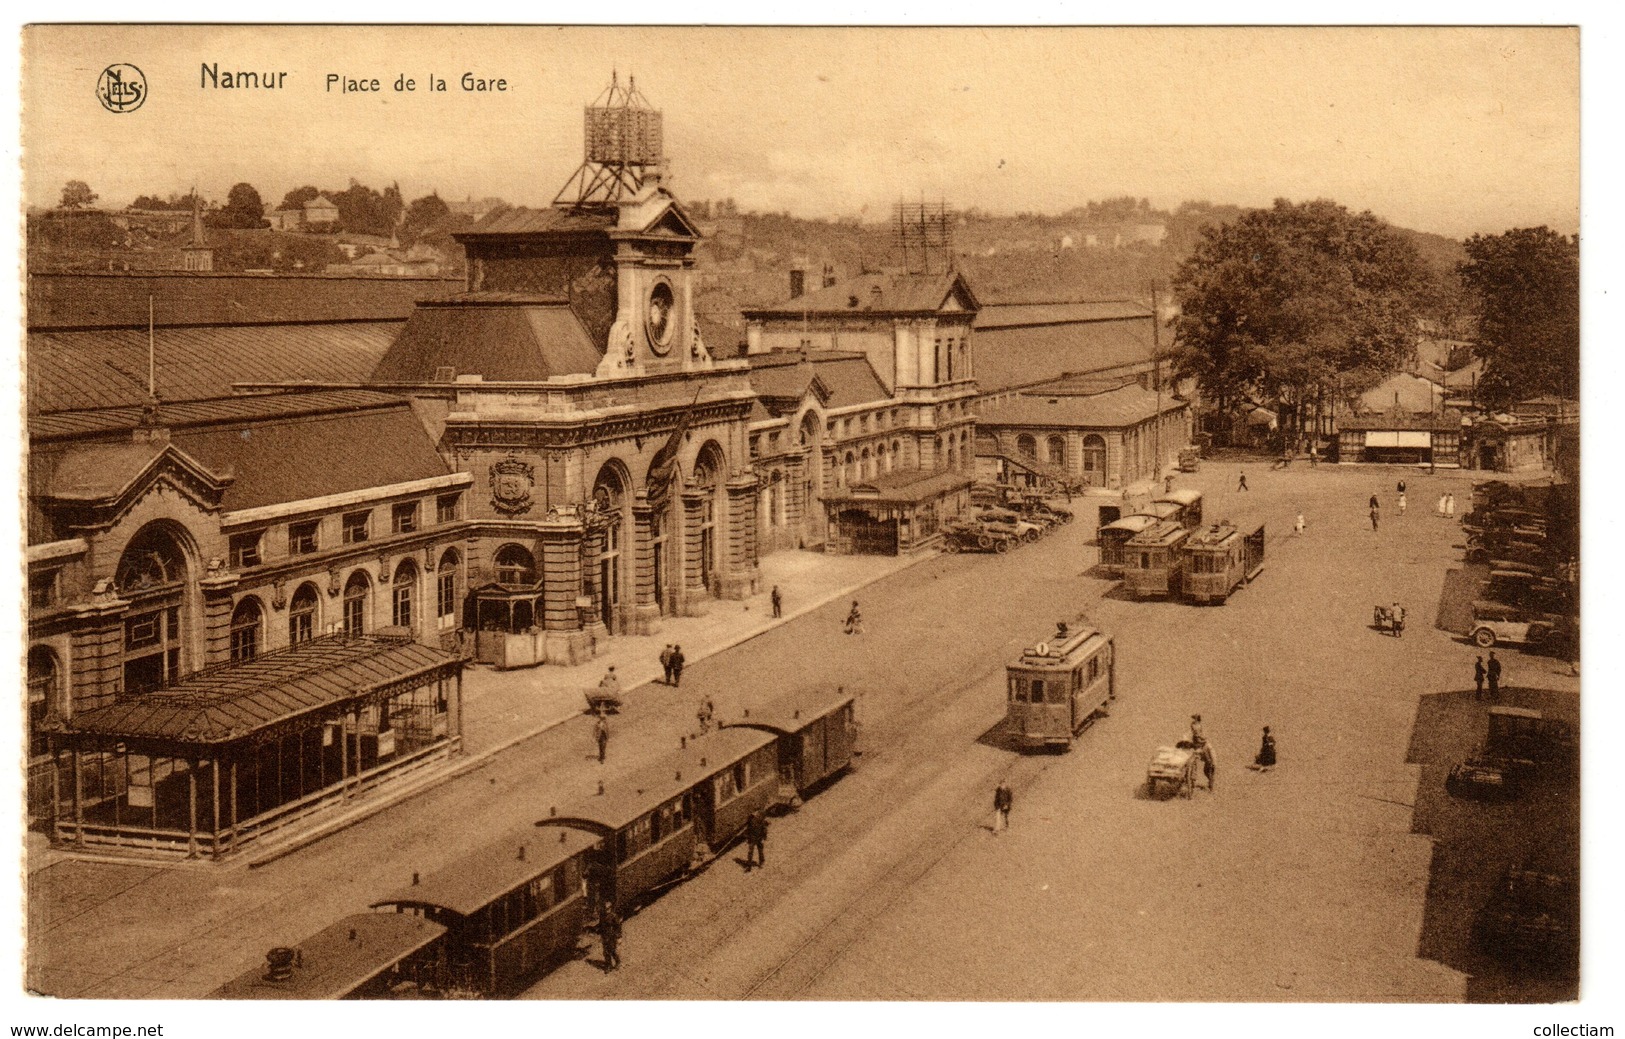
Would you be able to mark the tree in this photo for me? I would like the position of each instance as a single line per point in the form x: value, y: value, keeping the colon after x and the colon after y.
x: 297, y: 198
x: 1280, y: 304
x: 243, y: 209
x: 365, y: 211
x: 76, y: 194
x: 424, y: 215
x: 1526, y: 286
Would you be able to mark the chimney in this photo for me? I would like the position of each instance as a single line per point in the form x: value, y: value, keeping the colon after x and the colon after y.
x: 829, y: 275
x: 798, y: 282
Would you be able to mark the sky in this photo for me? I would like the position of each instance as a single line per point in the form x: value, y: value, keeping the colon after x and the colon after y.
x: 1450, y: 130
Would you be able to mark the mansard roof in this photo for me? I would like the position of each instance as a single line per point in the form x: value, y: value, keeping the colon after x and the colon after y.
x: 503, y: 336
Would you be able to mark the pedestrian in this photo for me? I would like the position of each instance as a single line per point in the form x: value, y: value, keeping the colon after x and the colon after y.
x: 1375, y: 515
x: 1441, y: 505
x: 756, y: 839
x: 706, y: 712
x: 1375, y: 503
x: 665, y: 663
x: 608, y: 696
x: 1266, y: 750
x: 1297, y: 526
x: 1197, y: 739
x: 1450, y: 505
x: 854, y: 620
x: 1314, y: 455
x: 677, y: 665
x: 1241, y: 484
x: 1399, y: 620
x: 1401, y: 487
x: 1478, y: 679
x: 1167, y: 483
x: 778, y: 603
x: 609, y: 932
x: 1402, y: 503
x: 1493, y: 673
x: 600, y: 732
x: 1002, y: 800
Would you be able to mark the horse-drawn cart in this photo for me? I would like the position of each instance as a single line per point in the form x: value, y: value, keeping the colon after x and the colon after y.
x: 1173, y: 769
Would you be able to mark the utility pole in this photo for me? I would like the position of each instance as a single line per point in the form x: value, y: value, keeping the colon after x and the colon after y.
x: 1156, y: 377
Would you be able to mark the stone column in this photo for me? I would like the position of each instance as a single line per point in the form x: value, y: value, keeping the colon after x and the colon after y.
x: 740, y: 574
x: 592, y: 546
x: 216, y: 592
x: 97, y: 672
x: 639, y: 555
x: 694, y: 593
x: 564, y: 641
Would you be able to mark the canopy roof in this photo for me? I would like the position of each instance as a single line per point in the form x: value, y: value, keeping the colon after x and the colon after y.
x: 473, y: 881
x: 337, y: 960
x: 235, y: 701
x: 794, y: 711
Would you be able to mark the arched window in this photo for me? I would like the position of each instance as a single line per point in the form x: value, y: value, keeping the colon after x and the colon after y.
x: 515, y: 566
x: 882, y: 460
x: 849, y: 470
x: 1027, y: 446
x: 1094, y: 460
x: 152, y: 560
x: 446, y: 589
x: 809, y: 429
x: 356, y: 590
x: 44, y: 696
x: 1057, y: 451
x: 247, y: 624
x: 867, y: 466
x: 302, y: 611
x: 403, y: 592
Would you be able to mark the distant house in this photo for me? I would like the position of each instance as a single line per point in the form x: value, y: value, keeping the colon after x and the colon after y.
x: 320, y: 213
x: 1404, y: 392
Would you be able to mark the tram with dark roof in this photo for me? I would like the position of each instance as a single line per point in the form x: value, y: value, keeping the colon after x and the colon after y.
x: 1058, y: 686
x: 816, y: 737
x: 1154, y: 560
x: 1220, y: 558
x: 363, y: 956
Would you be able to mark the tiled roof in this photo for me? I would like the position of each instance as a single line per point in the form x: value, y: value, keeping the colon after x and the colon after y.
x: 97, y: 472
x: 1120, y: 407
x: 63, y: 301
x: 501, y: 336
x: 1017, y: 315
x: 227, y: 703
x: 294, y: 459
x: 1020, y: 356
x: 522, y: 220
x: 1449, y: 420
x: 848, y: 377
x: 470, y: 882
x: 1401, y: 390
x: 101, y: 369
x: 878, y: 293
x: 70, y: 424
x: 904, y: 486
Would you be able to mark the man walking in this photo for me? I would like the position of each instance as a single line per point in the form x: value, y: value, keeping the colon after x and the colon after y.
x: 1478, y: 679
x: 854, y: 620
x: 600, y: 732
x: 756, y: 839
x: 609, y: 932
x: 665, y: 663
x: 677, y: 665
x: 1241, y: 484
x: 1402, y: 502
x: 1493, y: 672
x: 1297, y: 527
x: 1450, y: 505
x: 1375, y: 515
x: 1002, y: 800
x: 778, y: 604
x: 1399, y: 620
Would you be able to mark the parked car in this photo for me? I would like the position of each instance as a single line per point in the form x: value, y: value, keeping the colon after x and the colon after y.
x: 1003, y: 520
x: 1494, y: 623
x: 1532, y: 918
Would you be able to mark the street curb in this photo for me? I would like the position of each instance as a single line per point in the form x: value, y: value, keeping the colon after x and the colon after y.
x: 478, y: 758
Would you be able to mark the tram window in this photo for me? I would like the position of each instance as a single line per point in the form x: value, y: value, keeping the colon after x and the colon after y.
x: 1037, y: 691
x: 741, y: 776
x: 1094, y: 668
x: 1057, y: 692
x: 1145, y: 560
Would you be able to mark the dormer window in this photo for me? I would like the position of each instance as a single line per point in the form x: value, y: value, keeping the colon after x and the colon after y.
x: 245, y: 550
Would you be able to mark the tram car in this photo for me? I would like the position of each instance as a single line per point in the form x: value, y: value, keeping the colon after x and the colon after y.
x: 511, y: 908
x: 1057, y: 687
x: 1114, y: 537
x: 1188, y: 503
x: 363, y: 956
x: 658, y: 824
x: 1154, y: 560
x: 1219, y: 559
x: 816, y: 735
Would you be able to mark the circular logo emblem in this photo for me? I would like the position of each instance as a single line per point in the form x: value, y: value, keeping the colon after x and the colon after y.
x: 121, y: 88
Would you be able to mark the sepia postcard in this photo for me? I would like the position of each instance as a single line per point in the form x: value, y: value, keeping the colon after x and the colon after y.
x: 640, y: 517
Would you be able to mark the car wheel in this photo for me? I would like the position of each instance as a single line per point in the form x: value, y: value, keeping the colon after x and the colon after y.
x: 1484, y: 637
x: 984, y: 541
x: 1001, y: 546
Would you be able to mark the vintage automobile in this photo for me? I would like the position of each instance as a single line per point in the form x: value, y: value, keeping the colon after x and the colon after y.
x: 1496, y: 622
x: 1189, y: 459
x: 1519, y: 746
x: 1006, y: 521
x: 1531, y: 591
x: 1532, y: 919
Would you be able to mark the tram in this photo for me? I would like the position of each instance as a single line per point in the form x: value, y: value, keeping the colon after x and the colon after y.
x: 1220, y: 558
x: 1114, y: 538
x: 817, y: 737
x: 1153, y: 560
x: 1189, y: 505
x: 362, y: 956
x: 1057, y: 687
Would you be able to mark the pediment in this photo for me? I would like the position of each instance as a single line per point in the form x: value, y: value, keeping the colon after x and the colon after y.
x: 113, y: 478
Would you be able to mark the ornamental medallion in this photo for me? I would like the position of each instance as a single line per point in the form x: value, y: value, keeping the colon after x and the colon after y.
x: 511, y: 483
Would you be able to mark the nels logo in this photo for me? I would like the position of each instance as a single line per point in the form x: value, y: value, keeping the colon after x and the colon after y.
x: 121, y: 88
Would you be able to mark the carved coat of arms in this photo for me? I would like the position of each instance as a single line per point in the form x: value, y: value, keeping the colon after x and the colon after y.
x: 511, y: 483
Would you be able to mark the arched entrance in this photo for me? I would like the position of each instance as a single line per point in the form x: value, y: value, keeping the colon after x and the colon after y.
x: 155, y: 575
x: 663, y: 550
x: 1094, y: 460
x: 812, y: 481
x: 609, y: 497
x: 706, y: 508
x: 44, y: 696
x: 357, y: 592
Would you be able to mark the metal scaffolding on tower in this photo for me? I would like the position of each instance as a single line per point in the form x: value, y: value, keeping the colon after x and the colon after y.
x: 624, y: 143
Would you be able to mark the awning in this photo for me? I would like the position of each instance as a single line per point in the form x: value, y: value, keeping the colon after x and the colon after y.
x: 1398, y: 438
x: 301, y: 684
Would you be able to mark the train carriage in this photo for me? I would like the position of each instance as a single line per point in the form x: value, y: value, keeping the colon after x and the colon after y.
x: 816, y: 736
x: 1218, y: 559
x: 1188, y: 502
x: 1153, y: 560
x: 657, y: 823
x: 1114, y: 537
x: 511, y: 908
x: 1057, y: 687
x: 363, y: 956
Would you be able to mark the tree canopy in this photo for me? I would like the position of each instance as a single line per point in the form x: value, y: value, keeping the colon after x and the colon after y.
x: 297, y: 198
x: 243, y: 210
x: 424, y: 215
x: 1526, y: 286
x: 362, y: 210
x: 1279, y: 303
x: 76, y: 194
